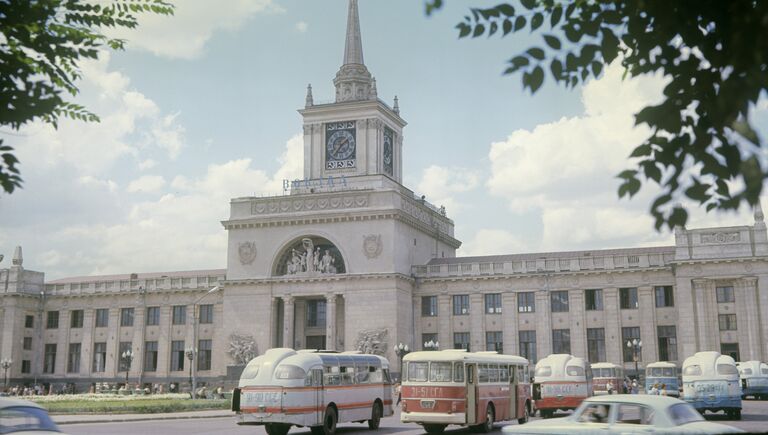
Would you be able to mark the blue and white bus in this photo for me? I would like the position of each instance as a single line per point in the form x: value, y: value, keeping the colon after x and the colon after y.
x: 662, y: 373
x: 711, y: 383
x: 754, y: 379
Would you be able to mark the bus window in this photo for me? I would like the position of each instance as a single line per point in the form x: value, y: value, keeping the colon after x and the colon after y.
x: 543, y: 371
x: 374, y: 374
x: 482, y: 373
x: 347, y: 375
x: 669, y: 372
x: 726, y: 369
x: 440, y: 372
x: 574, y: 371
x: 387, y: 378
x: 764, y: 370
x: 331, y: 375
x: 504, y: 373
x: 361, y: 370
x: 694, y: 370
x: 458, y: 372
x: 252, y: 369
x: 746, y: 371
x: 290, y: 371
x: 493, y: 373
x: 417, y: 371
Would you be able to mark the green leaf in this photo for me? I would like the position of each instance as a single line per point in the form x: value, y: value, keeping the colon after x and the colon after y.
x: 552, y: 41
x: 597, y: 68
x: 678, y: 217
x: 506, y: 9
x: 745, y: 130
x: 642, y: 151
x: 652, y: 171
x: 464, y: 29
x: 528, y: 4
x: 557, y: 12
x: 479, y: 29
x: 629, y: 187
x: 536, y: 53
x: 537, y: 21
x: 493, y: 28
x: 609, y: 45
x: 536, y: 79
x: 698, y: 192
x: 557, y: 69
x: 506, y: 26
x: 519, y: 23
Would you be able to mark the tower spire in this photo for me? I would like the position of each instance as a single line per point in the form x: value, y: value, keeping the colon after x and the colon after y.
x: 353, y: 81
x: 353, y: 49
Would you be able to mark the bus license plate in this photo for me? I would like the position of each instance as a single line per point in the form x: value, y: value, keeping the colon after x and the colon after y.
x: 427, y: 404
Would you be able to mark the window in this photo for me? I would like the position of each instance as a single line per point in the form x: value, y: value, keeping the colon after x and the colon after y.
x: 440, y: 371
x: 49, y: 360
x: 727, y: 322
x: 596, y: 344
x: 667, y: 343
x: 177, y: 355
x: 665, y: 297
x: 634, y: 414
x: 461, y: 340
x: 460, y: 305
x: 493, y: 303
x: 494, y: 341
x: 528, y: 345
x: 730, y: 349
x: 76, y: 318
x: 99, y: 357
x: 73, y: 358
x: 27, y: 344
x: 627, y: 335
x: 52, y: 322
x: 593, y: 300
x: 428, y: 306
x: 426, y: 338
x: 126, y: 317
x: 526, y: 302
x: 204, y: 353
x: 26, y: 366
x: 102, y: 317
x: 559, y: 301
x: 724, y: 294
x: 153, y: 316
x: 316, y: 313
x: 179, y: 316
x: 628, y: 298
x: 150, y: 356
x: 206, y: 313
x: 561, y: 341
x: 29, y: 321
x: 125, y: 363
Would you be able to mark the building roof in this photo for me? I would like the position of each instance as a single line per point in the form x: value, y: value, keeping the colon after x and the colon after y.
x: 542, y: 255
x: 135, y: 276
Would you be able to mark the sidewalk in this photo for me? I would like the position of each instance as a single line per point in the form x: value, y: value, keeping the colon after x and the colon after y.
x: 107, y: 418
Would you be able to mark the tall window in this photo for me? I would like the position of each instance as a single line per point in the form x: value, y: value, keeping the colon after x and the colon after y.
x: 73, y: 358
x: 52, y: 322
x: 628, y: 298
x: 593, y: 300
x: 460, y: 305
x: 126, y: 317
x: 526, y: 302
x: 493, y: 303
x: 426, y: 338
x: 26, y: 366
x: 153, y: 316
x: 29, y: 321
x: 730, y: 349
x: 559, y: 301
x: 102, y: 317
x: 667, y: 343
x: 596, y: 344
x: 49, y: 360
x: 665, y: 297
x: 124, y: 364
x: 428, y: 306
x: 528, y: 345
x: 724, y: 294
x: 461, y: 340
x: 177, y: 355
x: 76, y: 318
x: 727, y: 322
x: 27, y: 343
x: 561, y: 341
x: 627, y: 334
x: 494, y: 341
x: 99, y: 357
x: 316, y: 313
x: 206, y: 313
x: 179, y: 316
x: 204, y: 352
x: 150, y: 356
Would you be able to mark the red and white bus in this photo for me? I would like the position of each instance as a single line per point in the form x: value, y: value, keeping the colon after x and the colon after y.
x: 561, y: 382
x: 315, y: 389
x: 464, y: 388
x: 605, y: 374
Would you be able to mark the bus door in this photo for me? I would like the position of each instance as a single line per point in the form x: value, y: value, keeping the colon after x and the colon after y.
x: 471, y: 393
x: 514, y: 379
x: 319, y: 399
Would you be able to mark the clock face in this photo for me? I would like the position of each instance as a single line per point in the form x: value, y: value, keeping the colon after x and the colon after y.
x: 388, y: 150
x: 340, y: 145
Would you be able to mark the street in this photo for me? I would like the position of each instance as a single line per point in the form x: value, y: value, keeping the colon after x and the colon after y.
x: 754, y: 419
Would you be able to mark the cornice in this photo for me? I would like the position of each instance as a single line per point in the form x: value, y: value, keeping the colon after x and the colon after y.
x: 294, y: 279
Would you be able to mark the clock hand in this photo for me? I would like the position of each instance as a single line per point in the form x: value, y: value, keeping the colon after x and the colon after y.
x: 340, y: 144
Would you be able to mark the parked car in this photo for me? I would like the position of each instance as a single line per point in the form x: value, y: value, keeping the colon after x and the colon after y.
x: 21, y: 417
x: 627, y: 414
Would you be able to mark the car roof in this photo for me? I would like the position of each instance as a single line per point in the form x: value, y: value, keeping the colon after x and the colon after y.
x: 640, y: 399
x: 7, y: 402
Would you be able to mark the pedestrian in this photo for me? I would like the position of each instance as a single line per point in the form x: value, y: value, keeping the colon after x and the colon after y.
x: 634, y: 386
x: 625, y: 387
x: 663, y: 390
x: 655, y: 390
x: 399, y: 393
x: 609, y: 387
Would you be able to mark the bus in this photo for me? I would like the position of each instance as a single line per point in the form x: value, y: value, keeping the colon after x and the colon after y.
x: 662, y: 373
x: 561, y: 382
x: 315, y: 389
x: 711, y: 383
x: 605, y: 374
x: 464, y: 388
x: 754, y: 379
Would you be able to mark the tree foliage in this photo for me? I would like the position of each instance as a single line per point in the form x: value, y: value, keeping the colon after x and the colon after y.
x: 41, y: 43
x: 702, y: 144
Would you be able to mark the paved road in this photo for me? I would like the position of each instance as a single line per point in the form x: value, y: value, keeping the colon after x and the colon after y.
x: 754, y: 419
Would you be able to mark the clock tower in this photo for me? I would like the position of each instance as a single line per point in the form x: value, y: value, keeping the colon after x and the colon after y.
x: 358, y: 137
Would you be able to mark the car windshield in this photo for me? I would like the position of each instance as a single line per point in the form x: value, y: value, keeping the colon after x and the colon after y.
x: 25, y: 418
x: 683, y: 413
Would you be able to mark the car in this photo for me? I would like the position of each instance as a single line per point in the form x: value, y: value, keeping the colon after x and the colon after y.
x: 21, y: 417
x: 627, y: 414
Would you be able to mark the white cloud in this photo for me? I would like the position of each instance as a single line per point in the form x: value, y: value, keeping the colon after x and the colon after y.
x: 489, y: 241
x: 440, y: 185
x: 147, y: 164
x: 302, y: 26
x: 146, y: 184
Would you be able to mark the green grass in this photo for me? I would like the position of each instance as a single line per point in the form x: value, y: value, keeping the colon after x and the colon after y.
x: 148, y: 406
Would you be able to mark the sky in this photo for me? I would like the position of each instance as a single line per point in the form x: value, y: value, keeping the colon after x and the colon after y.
x: 202, y: 108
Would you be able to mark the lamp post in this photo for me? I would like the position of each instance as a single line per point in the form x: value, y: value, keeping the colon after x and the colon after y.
x: 636, y: 346
x: 6, y: 364
x: 401, y: 350
x: 191, y: 351
x: 127, y: 357
x: 431, y: 345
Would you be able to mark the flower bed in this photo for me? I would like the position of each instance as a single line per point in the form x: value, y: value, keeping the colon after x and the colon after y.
x: 117, y: 404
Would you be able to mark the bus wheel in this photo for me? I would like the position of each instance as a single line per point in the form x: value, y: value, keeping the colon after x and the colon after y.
x: 376, y: 414
x: 329, y: 421
x: 277, y: 428
x: 487, y: 426
x: 524, y: 418
x: 434, y: 428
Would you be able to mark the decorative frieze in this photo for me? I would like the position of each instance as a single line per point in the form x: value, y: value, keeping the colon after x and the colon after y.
x: 721, y: 237
x: 287, y: 205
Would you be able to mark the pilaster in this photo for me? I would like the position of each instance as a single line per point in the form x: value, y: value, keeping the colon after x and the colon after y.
x: 288, y: 326
x: 648, y: 323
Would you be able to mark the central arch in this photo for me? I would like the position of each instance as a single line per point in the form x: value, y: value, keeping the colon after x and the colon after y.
x: 309, y: 255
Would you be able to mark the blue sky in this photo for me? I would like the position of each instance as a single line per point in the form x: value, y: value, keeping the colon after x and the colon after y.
x: 202, y: 108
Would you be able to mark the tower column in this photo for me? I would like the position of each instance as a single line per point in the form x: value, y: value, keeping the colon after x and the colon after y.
x: 330, y: 321
x: 288, y: 315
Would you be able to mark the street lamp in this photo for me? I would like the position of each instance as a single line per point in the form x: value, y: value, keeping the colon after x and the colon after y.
x: 191, y: 351
x: 6, y: 364
x: 636, y: 346
x: 431, y: 345
x: 127, y: 357
x: 401, y: 350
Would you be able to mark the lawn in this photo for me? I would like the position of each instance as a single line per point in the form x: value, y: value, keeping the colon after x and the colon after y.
x: 132, y: 404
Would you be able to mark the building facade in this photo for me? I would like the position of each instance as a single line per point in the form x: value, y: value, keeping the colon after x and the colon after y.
x: 351, y: 259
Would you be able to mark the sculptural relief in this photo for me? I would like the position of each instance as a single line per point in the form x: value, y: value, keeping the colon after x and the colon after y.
x: 242, y: 348
x: 372, y: 341
x: 247, y: 252
x: 309, y: 258
x: 372, y: 245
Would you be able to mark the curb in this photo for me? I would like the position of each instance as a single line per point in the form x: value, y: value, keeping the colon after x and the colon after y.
x: 149, y: 417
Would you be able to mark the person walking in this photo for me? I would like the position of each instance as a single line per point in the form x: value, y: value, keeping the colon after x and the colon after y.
x: 663, y: 390
x: 399, y: 394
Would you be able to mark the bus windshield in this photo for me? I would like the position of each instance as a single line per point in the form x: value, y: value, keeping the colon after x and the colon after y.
x: 440, y: 372
x: 543, y: 371
x: 658, y: 372
x: 604, y: 373
x: 574, y: 371
x: 417, y: 371
x: 726, y: 369
x: 694, y: 370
